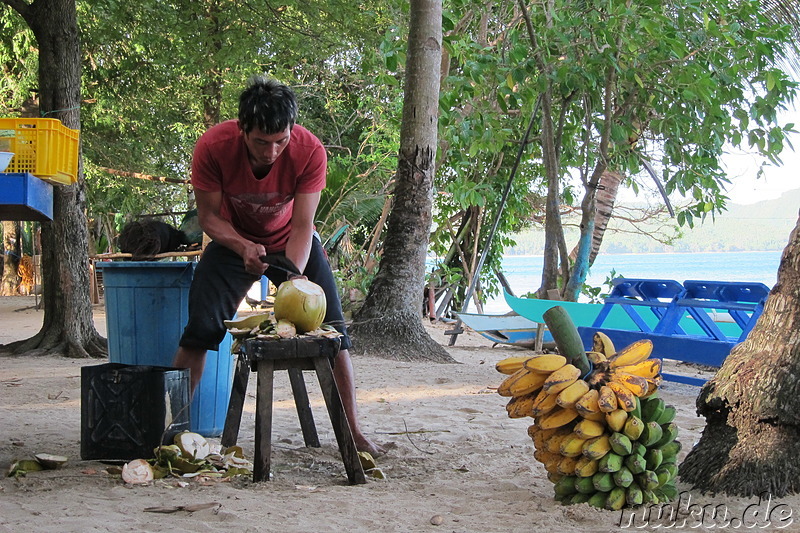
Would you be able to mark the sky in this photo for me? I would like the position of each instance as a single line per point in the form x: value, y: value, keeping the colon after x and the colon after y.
x: 743, y: 168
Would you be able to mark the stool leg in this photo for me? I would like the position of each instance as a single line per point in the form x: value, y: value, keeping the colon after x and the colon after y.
x: 303, y: 408
x: 261, y: 463
x: 233, y: 419
x: 347, y: 446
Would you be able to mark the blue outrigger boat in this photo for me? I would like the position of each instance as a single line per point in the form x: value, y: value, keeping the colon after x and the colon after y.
x: 510, y: 329
x: 696, y: 322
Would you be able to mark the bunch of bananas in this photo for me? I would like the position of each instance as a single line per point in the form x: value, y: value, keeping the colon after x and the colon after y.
x: 605, y: 438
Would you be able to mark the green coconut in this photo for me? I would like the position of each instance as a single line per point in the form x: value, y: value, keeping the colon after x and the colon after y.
x: 302, y: 303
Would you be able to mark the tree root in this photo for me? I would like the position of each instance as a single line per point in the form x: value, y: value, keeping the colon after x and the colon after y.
x: 43, y: 344
x: 397, y: 337
x: 749, y: 458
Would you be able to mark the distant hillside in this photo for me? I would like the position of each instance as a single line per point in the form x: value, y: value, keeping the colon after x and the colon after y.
x: 761, y: 226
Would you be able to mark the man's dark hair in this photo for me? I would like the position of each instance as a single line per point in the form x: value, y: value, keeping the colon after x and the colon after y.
x: 267, y: 105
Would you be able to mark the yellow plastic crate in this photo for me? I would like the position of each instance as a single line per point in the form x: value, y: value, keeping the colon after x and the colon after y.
x: 43, y: 147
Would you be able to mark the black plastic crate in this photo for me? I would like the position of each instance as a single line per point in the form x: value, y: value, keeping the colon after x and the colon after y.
x: 128, y: 410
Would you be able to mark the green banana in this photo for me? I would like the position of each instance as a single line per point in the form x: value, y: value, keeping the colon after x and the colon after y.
x: 636, y: 464
x: 616, y: 499
x: 648, y: 480
x: 634, y: 495
x: 603, y: 481
x: 649, y: 497
x: 610, y: 462
x: 584, y: 485
x: 651, y: 434
x: 652, y: 409
x: 668, y: 415
x: 633, y: 427
x: 598, y: 499
x: 638, y: 449
x: 669, y: 434
x: 637, y: 411
x: 666, y: 493
x: 623, y: 477
x: 671, y: 449
x: 666, y: 473
x: 565, y: 486
x: 580, y: 497
x: 653, y: 458
x: 620, y: 443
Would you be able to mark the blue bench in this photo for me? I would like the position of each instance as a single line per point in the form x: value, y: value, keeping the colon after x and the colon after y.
x: 696, y: 322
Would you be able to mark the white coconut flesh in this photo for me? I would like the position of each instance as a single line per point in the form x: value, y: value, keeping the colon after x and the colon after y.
x: 51, y: 461
x: 192, y: 445
x: 137, y: 472
x: 302, y: 303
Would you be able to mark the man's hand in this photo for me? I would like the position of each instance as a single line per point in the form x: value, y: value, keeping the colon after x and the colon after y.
x: 251, y: 255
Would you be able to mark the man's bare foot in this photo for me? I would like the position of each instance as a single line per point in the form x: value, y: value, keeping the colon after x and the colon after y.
x: 363, y: 444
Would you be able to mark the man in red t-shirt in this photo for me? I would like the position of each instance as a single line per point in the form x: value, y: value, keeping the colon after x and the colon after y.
x: 257, y: 182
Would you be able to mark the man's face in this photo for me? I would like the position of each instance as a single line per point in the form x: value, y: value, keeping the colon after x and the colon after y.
x: 264, y: 148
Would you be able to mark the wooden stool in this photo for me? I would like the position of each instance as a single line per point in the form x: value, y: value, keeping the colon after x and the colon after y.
x: 293, y: 355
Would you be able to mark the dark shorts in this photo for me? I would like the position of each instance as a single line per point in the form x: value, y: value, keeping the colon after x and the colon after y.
x: 220, y: 284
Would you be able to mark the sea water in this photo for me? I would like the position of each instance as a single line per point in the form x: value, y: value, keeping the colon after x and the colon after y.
x: 524, y: 273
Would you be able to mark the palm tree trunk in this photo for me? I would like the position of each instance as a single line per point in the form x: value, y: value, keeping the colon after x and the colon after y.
x: 390, y: 322
x: 750, y: 442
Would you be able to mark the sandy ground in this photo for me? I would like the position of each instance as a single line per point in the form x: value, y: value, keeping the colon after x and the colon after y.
x: 455, y: 457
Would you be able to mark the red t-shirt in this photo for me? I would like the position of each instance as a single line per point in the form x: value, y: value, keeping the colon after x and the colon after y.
x: 260, y: 210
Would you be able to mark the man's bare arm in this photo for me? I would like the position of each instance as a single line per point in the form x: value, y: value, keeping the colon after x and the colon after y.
x: 220, y: 230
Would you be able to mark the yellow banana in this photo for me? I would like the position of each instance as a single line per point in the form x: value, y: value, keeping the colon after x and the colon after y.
x: 570, y: 396
x: 607, y: 400
x: 603, y: 344
x: 616, y: 419
x: 561, y: 378
x: 599, y: 416
x: 504, y: 389
x: 652, y: 386
x: 625, y: 398
x: 571, y: 445
x: 543, y: 404
x: 596, y: 357
x: 636, y: 352
x: 545, y: 364
x: 587, y: 404
x: 649, y: 368
x: 586, y: 467
x: 549, y: 460
x: 526, y: 383
x: 596, y: 447
x: 540, y: 436
x: 558, y: 417
x: 520, y: 406
x: 589, y: 429
x: 552, y: 462
x: 551, y: 439
x: 567, y: 465
x: 509, y: 365
x: 636, y: 384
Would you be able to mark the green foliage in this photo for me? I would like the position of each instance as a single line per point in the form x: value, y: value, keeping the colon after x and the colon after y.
x: 18, y: 60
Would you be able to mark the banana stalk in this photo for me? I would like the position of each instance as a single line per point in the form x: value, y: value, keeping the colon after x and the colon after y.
x: 566, y: 337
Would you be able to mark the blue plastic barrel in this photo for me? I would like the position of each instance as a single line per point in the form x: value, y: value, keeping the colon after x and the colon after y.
x: 146, y: 311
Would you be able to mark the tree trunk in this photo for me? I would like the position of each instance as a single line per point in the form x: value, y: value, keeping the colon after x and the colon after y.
x: 605, y: 199
x: 553, y: 229
x: 68, y: 327
x: 390, y: 322
x: 9, y: 286
x: 597, y: 207
x: 749, y: 444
